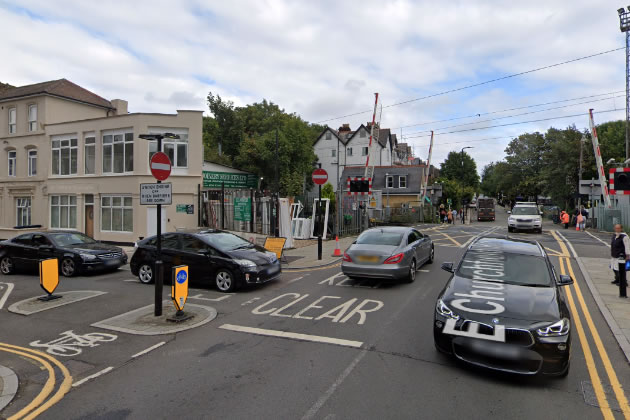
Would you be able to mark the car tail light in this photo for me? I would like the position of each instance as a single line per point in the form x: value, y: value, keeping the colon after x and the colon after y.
x: 394, y: 259
x: 346, y: 257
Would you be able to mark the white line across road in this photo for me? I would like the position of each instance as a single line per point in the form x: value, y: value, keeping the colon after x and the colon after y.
x: 96, y: 375
x: 145, y: 351
x: 586, y: 231
x: 6, y: 294
x: 292, y: 335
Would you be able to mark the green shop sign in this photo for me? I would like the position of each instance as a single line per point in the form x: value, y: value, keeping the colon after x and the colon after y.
x: 230, y: 180
x: 243, y: 209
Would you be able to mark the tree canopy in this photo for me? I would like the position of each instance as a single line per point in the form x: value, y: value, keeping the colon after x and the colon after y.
x: 461, y: 167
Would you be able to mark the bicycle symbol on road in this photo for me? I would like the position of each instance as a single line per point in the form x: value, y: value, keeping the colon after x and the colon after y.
x: 69, y: 344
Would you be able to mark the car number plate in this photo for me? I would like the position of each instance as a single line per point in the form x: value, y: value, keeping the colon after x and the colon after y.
x: 367, y: 258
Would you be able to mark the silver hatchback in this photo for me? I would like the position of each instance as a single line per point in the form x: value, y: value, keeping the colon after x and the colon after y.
x: 388, y: 252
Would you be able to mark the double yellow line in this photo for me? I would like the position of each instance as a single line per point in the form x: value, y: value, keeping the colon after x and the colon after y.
x: 565, y: 260
x: 39, y: 404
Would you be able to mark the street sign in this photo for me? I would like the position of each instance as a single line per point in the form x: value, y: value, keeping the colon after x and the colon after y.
x: 160, y: 166
x: 590, y: 187
x: 243, y: 209
x: 179, y: 286
x: 152, y: 194
x: 320, y: 176
x: 49, y: 277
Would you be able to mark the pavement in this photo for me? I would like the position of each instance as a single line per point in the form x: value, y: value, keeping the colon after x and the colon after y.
x: 313, y: 344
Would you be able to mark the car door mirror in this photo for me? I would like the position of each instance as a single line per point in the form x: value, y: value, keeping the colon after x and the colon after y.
x: 565, y: 280
x: 509, y: 212
x: 448, y: 266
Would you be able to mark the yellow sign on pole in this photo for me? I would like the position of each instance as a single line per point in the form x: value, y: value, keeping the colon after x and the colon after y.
x: 275, y: 245
x: 179, y: 286
x: 49, y: 276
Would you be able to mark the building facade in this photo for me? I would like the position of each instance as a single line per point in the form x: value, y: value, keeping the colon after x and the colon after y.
x: 70, y: 159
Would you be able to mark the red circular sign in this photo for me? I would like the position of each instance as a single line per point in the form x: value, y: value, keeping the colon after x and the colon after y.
x: 160, y: 166
x: 320, y: 176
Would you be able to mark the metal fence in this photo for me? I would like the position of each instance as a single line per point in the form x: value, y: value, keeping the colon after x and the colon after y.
x: 239, y: 211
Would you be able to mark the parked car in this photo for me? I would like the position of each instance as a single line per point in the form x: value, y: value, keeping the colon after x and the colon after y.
x: 212, y: 256
x: 388, y: 252
x: 503, y: 309
x: 76, y: 252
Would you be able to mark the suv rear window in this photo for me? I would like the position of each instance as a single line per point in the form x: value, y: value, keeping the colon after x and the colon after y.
x: 379, y: 237
x: 505, y: 267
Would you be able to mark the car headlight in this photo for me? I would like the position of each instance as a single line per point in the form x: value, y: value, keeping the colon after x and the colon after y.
x: 444, y: 310
x: 87, y: 257
x: 556, y: 329
x: 245, y: 263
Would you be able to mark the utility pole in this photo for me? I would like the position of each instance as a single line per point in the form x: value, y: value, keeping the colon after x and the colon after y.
x: 582, y: 140
x: 624, y: 26
x: 277, y: 201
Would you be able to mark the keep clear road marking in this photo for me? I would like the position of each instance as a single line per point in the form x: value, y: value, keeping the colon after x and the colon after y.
x: 200, y: 297
x: 35, y: 407
x: 292, y: 335
x: 612, y: 376
x: 6, y: 294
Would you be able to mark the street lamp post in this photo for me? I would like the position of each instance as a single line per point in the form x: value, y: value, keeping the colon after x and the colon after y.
x: 624, y: 26
x: 159, y: 267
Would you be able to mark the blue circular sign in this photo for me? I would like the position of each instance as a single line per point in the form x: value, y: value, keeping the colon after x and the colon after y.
x: 181, y: 277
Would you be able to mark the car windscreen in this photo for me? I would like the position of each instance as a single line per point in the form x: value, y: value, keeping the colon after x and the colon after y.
x: 70, y: 238
x: 224, y: 241
x: 380, y: 237
x: 505, y: 267
x: 525, y: 211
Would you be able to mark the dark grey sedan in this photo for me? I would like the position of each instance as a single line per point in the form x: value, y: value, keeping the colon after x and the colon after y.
x: 388, y: 252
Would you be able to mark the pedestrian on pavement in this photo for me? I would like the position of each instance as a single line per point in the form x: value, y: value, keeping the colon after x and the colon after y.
x: 461, y: 212
x: 584, y: 214
x: 620, y: 253
x: 564, y: 219
x: 442, y: 214
x: 454, y: 215
x: 579, y: 221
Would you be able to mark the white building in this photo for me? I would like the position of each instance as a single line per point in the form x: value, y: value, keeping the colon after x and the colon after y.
x: 336, y: 149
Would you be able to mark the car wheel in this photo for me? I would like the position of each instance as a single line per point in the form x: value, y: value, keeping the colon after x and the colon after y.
x: 431, y: 255
x: 68, y: 267
x: 145, y: 273
x: 510, y: 229
x: 412, y: 272
x: 6, y: 266
x: 225, y: 281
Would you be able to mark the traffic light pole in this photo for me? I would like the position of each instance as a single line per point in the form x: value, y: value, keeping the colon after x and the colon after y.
x: 159, y: 266
x: 319, y: 224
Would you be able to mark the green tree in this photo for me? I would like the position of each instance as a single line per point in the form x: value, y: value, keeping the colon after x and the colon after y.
x: 460, y: 166
x: 227, y: 132
x: 327, y: 192
x: 525, y: 156
x: 456, y: 191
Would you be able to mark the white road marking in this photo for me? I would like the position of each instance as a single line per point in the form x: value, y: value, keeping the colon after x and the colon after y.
x: 6, y: 293
x: 250, y: 301
x: 587, y: 232
x: 145, y: 351
x: 322, y: 400
x: 292, y: 335
x: 134, y: 280
x: 200, y: 297
x: 465, y: 244
x: 425, y: 271
x: 96, y: 375
x: 295, y: 279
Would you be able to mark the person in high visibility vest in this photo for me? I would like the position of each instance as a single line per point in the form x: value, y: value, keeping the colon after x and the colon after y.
x: 564, y: 219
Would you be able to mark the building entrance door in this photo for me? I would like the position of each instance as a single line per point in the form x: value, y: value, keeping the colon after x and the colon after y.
x: 89, y: 215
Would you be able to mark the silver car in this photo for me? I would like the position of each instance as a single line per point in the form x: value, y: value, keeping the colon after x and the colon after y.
x: 388, y: 252
x: 525, y: 217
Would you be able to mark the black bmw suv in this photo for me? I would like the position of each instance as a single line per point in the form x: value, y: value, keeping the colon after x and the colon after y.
x: 503, y: 309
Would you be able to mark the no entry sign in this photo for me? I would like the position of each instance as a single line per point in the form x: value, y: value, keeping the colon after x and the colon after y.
x: 320, y: 176
x: 160, y: 166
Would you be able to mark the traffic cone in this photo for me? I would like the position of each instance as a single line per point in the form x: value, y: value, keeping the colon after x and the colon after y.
x: 337, y: 249
x: 577, y: 227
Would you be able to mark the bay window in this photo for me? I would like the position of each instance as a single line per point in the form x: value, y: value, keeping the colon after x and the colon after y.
x: 116, y: 214
x: 117, y: 152
x: 64, y: 155
x: 63, y: 211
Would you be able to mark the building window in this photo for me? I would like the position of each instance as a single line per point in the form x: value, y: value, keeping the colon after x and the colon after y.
x: 389, y: 181
x: 364, y: 151
x: 32, y: 117
x: 90, y: 155
x: 12, y: 120
x: 176, y: 150
x: 328, y: 135
x: 349, y: 152
x: 63, y: 211
x: 64, y: 156
x: 116, y: 214
x: 118, y: 152
x: 334, y: 153
x: 402, y: 181
x: 12, y: 155
x: 23, y: 211
x: 362, y: 133
x: 32, y: 162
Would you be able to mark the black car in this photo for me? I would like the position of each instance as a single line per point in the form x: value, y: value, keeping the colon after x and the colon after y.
x: 222, y: 258
x: 503, y: 309
x: 76, y: 252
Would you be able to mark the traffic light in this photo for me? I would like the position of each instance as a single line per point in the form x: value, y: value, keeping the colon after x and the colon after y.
x: 360, y: 186
x: 622, y: 181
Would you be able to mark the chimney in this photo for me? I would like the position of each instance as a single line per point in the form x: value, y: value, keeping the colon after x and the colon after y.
x: 120, y: 106
x: 344, y: 127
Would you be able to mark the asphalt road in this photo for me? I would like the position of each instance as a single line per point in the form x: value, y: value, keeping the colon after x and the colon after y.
x: 366, y: 350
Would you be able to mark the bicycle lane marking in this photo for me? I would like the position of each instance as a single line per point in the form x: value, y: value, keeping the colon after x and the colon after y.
x: 69, y: 343
x: 6, y: 294
x: 64, y: 387
x: 614, y: 381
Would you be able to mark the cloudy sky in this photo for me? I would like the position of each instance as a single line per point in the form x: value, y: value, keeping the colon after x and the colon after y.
x: 324, y: 59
